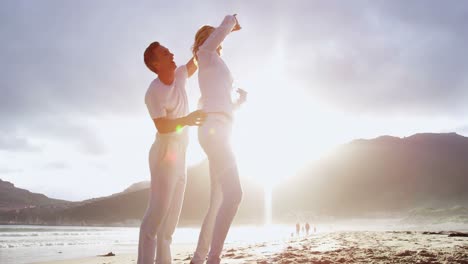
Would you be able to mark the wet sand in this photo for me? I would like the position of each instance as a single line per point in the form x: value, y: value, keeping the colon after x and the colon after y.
x: 333, y: 247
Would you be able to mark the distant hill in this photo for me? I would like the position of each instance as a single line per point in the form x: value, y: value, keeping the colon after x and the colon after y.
x: 455, y: 214
x: 12, y: 197
x: 382, y: 175
x: 128, y: 207
x: 137, y: 186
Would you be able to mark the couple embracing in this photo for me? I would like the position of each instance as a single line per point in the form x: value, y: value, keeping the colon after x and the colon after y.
x: 166, y: 100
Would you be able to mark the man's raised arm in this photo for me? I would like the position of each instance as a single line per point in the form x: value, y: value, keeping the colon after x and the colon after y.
x: 192, y: 67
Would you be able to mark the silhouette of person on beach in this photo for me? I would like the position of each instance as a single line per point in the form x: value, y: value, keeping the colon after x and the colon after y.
x: 215, y: 81
x: 307, y: 228
x: 167, y: 104
x: 298, y: 229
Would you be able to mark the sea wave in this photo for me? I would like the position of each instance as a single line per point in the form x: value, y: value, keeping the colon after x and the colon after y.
x: 19, y: 235
x: 55, y: 234
x: 39, y: 244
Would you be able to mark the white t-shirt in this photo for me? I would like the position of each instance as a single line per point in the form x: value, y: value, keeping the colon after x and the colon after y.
x: 168, y: 101
x: 214, y: 78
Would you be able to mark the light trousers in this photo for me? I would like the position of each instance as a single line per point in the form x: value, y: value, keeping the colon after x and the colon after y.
x: 226, y: 192
x: 168, y: 179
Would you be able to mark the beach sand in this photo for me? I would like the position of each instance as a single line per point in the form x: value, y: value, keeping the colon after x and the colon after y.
x: 333, y: 247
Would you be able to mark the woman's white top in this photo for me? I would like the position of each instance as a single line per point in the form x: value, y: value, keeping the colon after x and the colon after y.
x: 214, y: 78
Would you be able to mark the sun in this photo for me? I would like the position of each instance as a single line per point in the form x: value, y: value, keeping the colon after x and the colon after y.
x: 277, y: 133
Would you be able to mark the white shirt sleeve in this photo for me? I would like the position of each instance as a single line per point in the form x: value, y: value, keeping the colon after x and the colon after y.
x: 181, y: 73
x: 155, y: 105
x: 219, y: 34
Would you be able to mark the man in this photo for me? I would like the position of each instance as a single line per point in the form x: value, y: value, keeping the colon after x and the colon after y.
x: 167, y: 105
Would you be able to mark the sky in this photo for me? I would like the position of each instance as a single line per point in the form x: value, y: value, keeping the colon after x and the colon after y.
x: 73, y: 123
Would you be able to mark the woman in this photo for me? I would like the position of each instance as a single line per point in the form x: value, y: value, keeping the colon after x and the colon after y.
x: 215, y: 81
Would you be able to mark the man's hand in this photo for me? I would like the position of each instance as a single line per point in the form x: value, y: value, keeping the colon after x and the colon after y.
x: 166, y: 125
x: 237, y: 27
x: 196, y: 118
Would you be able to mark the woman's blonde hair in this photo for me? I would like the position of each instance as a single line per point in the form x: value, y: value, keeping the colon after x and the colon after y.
x: 202, y: 34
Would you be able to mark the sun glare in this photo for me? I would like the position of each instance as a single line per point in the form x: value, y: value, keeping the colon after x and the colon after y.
x: 275, y: 140
x: 275, y: 132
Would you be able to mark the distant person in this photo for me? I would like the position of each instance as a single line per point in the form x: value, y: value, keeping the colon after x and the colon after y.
x: 315, y: 229
x: 167, y: 104
x: 215, y: 81
x: 298, y: 229
x: 307, y: 228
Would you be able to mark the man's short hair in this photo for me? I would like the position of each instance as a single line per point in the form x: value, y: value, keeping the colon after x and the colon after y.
x: 150, y: 56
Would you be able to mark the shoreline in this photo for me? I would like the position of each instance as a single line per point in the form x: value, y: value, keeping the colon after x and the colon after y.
x: 179, y: 252
x: 329, y: 247
x: 121, y: 258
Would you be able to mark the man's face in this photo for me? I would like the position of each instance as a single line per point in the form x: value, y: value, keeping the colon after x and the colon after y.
x: 165, y: 60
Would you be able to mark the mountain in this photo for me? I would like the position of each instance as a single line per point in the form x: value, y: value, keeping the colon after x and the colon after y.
x: 386, y: 175
x: 137, y: 186
x: 12, y: 197
x: 456, y: 214
x: 128, y: 207
x: 418, y: 177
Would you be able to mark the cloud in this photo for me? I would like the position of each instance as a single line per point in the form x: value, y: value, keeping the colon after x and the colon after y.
x: 17, y: 144
x: 68, y: 129
x: 66, y: 57
x: 73, y: 131
x: 57, y: 165
x: 62, y: 62
x: 8, y: 170
x: 383, y: 56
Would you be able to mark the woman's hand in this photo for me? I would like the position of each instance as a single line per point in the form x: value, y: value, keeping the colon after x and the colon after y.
x: 237, y: 27
x: 242, y: 95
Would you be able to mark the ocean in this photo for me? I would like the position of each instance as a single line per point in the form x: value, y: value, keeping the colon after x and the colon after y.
x: 21, y: 244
